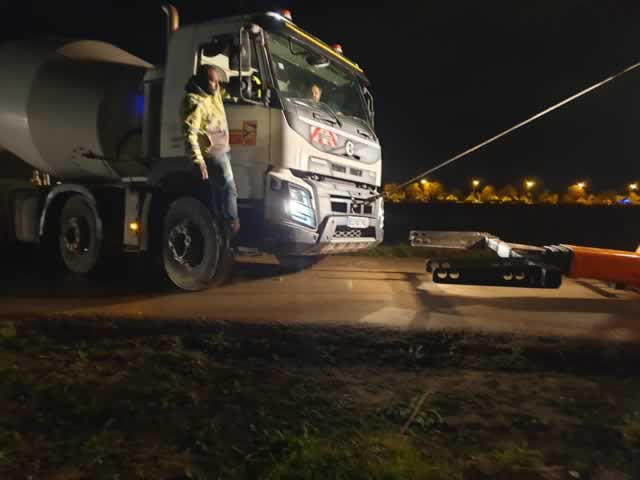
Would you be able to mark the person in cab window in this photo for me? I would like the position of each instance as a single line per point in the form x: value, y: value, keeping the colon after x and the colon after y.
x: 207, y: 136
x: 316, y: 93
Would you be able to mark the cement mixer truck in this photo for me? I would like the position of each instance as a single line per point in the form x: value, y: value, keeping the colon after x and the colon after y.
x: 104, y: 129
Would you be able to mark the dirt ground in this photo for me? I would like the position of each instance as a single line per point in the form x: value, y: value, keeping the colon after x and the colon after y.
x: 107, y: 400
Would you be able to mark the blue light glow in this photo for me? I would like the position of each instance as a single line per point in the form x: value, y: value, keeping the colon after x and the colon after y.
x: 138, y: 104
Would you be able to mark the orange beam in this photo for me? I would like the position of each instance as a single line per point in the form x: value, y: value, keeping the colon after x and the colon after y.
x: 614, y: 266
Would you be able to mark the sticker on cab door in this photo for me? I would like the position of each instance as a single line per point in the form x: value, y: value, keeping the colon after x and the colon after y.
x: 247, y: 135
x: 323, y: 137
x: 250, y: 132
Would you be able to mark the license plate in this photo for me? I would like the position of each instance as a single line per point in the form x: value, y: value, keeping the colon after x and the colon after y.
x: 357, y: 222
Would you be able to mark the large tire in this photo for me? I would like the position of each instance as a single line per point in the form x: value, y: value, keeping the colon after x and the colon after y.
x: 194, y: 250
x: 225, y: 269
x: 79, y: 241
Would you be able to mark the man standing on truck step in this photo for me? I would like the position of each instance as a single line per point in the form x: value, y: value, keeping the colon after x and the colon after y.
x: 207, y: 135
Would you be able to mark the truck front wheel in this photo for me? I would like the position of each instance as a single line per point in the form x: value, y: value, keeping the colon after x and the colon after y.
x: 78, y: 239
x: 193, y: 251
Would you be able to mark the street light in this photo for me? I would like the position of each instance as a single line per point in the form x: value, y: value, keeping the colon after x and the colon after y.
x: 529, y: 184
x: 423, y: 181
x: 474, y: 184
x: 582, y: 185
x: 633, y: 187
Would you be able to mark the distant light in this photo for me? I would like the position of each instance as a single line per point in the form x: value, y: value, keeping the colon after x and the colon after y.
x: 423, y: 181
x: 134, y: 226
x: 633, y: 186
x: 287, y: 14
x: 337, y: 48
x: 475, y: 183
x: 582, y: 185
x: 530, y: 184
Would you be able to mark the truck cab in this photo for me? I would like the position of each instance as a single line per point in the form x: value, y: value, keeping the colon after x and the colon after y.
x: 301, y: 126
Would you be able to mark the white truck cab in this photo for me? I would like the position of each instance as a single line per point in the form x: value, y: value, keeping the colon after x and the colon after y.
x: 299, y: 162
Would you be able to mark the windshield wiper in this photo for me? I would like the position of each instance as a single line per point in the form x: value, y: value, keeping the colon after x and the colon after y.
x: 368, y: 133
x: 325, y: 107
x: 335, y: 115
x: 324, y: 118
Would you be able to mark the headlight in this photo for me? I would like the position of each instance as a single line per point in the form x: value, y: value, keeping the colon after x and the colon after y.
x: 300, y: 207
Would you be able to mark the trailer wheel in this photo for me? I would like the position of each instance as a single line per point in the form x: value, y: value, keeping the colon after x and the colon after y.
x: 193, y: 251
x: 78, y: 239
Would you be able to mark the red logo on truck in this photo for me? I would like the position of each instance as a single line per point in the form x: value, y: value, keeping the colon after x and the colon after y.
x: 324, y: 137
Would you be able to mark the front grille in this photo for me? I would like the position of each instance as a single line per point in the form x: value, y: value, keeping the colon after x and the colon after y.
x: 341, y: 204
x: 361, y: 209
x: 342, y: 231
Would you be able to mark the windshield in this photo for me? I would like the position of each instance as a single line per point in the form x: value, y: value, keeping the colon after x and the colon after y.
x: 325, y: 84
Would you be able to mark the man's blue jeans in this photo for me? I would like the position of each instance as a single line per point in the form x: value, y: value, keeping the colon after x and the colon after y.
x: 221, y: 178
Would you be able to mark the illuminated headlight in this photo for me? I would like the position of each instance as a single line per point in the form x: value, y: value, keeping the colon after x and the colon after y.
x: 300, y: 207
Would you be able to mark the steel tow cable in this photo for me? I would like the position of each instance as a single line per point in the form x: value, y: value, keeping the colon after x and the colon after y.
x: 503, y: 133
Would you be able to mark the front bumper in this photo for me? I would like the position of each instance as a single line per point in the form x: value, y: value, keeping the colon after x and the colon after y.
x: 335, y: 207
x: 333, y: 236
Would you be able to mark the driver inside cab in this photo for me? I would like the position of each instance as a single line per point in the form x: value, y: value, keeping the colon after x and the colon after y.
x: 316, y: 93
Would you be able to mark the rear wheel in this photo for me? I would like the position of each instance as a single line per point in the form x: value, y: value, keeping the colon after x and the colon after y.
x: 78, y: 239
x: 194, y: 251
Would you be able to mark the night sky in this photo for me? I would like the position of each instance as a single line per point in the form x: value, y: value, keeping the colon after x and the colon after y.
x: 446, y: 75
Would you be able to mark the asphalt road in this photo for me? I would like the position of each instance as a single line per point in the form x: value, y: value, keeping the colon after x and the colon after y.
x: 354, y: 291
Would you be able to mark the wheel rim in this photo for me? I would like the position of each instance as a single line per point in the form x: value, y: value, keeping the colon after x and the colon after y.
x: 186, y: 244
x: 76, y: 236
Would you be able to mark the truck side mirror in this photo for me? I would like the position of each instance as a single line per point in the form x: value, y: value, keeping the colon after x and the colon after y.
x: 368, y: 97
x: 240, y: 54
x: 243, y: 56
